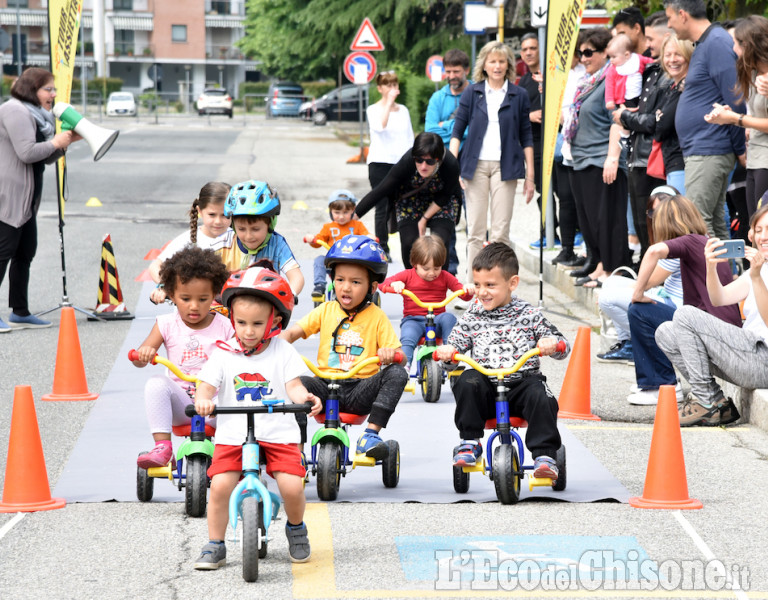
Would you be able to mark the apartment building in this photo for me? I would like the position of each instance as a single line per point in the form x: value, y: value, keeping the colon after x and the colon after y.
x: 190, y: 43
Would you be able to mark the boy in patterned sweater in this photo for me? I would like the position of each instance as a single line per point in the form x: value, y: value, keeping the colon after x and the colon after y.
x: 497, y: 330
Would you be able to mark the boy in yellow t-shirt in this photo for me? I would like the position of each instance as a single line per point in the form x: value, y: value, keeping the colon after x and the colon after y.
x: 341, y: 209
x: 352, y: 329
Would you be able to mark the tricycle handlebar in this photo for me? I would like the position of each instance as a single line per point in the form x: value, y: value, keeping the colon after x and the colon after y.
x: 500, y: 373
x: 388, y: 289
x: 133, y: 355
x: 319, y: 243
x: 244, y: 410
x: 335, y: 375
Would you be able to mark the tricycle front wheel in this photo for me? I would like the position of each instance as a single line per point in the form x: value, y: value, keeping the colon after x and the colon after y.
x: 431, y: 380
x: 390, y: 465
x: 506, y: 473
x: 328, y: 470
x: 196, y: 485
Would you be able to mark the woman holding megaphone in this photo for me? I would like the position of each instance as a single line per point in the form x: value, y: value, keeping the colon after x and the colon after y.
x: 28, y: 141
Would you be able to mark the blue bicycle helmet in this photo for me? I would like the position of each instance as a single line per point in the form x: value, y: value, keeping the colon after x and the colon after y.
x: 253, y: 199
x: 341, y: 195
x: 359, y: 250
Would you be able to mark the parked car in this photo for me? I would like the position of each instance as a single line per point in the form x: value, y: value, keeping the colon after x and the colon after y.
x: 121, y: 103
x: 284, y: 99
x: 341, y: 104
x: 214, y: 101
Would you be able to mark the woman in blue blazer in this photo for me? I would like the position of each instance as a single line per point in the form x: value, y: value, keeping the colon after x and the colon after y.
x: 498, y: 149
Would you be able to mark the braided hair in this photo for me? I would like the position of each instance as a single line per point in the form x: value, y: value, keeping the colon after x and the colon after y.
x: 213, y: 192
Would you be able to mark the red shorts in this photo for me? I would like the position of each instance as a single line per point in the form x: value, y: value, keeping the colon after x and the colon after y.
x: 284, y: 458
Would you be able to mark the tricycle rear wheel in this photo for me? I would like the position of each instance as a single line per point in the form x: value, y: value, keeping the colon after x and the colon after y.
x: 460, y: 480
x: 196, y: 486
x: 390, y: 465
x: 145, y: 485
x: 561, y: 481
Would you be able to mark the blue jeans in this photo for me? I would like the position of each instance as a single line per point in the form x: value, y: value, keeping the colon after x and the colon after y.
x: 652, y: 367
x: 319, y: 271
x: 677, y: 180
x: 413, y: 328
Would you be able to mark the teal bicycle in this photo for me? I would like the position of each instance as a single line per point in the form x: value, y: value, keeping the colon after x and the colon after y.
x: 251, y: 502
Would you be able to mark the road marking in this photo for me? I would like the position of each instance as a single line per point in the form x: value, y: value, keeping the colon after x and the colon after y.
x: 708, y: 554
x: 317, y: 578
x: 9, y: 525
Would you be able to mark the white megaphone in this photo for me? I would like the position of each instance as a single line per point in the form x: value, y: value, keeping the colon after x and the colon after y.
x: 99, y: 139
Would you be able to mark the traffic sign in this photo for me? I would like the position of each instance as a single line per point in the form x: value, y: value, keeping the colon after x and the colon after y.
x: 359, y: 60
x: 435, y: 68
x: 539, y: 10
x: 367, y: 39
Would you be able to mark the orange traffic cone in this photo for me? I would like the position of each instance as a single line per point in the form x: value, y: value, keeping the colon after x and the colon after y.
x: 69, y: 381
x: 144, y: 276
x: 26, y: 478
x: 666, y: 485
x: 575, y: 394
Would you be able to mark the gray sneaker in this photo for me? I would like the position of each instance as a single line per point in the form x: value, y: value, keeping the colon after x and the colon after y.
x: 693, y: 412
x: 728, y: 412
x: 212, y: 556
x: 4, y: 327
x: 298, y: 543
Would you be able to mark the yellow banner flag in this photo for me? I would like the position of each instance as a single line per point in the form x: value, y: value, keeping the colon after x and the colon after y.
x: 563, y: 22
x: 63, y: 29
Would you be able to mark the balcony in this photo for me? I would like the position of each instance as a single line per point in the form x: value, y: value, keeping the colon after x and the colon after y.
x: 137, y: 50
x: 223, y: 52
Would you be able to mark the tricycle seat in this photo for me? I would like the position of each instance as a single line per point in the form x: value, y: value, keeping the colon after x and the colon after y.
x: 186, y: 430
x: 515, y: 422
x: 347, y: 418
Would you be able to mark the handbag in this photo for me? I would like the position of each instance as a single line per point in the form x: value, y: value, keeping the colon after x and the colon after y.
x: 656, y: 162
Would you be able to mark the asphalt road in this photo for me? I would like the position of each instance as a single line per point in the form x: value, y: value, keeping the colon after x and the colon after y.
x: 130, y: 550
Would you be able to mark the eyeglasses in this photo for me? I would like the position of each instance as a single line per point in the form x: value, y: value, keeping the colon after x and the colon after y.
x: 50, y: 90
x: 586, y: 53
x: 421, y: 159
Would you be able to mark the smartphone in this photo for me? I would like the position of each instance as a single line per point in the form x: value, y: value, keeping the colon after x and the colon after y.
x: 733, y: 249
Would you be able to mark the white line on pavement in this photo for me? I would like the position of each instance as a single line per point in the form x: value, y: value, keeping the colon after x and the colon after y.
x: 9, y: 525
x: 708, y: 554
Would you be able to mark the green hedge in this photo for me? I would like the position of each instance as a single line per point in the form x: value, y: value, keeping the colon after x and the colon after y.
x: 114, y: 84
x: 252, y: 87
x: 315, y: 89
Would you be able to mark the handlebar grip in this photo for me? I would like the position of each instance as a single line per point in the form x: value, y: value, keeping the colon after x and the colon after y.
x: 561, y: 346
x: 435, y: 357
x: 133, y: 355
x: 189, y: 410
x: 399, y: 356
x: 387, y: 289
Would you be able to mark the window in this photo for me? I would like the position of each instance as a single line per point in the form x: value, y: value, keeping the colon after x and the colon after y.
x: 123, y: 4
x: 124, y: 40
x: 178, y: 33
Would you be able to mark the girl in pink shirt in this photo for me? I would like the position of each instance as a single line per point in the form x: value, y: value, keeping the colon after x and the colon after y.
x: 191, y: 278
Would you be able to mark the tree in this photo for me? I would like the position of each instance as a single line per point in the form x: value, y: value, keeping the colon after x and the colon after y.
x: 309, y: 39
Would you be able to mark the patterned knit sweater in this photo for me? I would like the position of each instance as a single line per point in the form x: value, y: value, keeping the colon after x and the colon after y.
x: 498, y: 338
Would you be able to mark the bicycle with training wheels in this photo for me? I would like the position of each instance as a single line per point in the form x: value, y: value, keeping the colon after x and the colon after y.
x: 251, y: 502
x: 330, y: 455
x: 429, y: 373
x: 189, y: 468
x: 507, y: 467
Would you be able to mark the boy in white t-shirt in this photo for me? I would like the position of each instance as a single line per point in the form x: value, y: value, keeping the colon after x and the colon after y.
x: 252, y: 366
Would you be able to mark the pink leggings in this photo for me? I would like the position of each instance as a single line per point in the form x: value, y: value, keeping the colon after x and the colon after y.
x: 165, y: 401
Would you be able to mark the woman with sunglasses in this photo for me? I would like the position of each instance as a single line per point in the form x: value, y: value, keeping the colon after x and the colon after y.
x: 498, y: 149
x: 679, y: 232
x: 598, y: 178
x: 423, y: 189
x: 28, y: 141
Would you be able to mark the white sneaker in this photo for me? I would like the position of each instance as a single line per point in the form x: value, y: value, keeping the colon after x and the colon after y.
x: 651, y: 397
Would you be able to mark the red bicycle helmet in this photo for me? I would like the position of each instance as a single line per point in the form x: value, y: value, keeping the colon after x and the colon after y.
x: 262, y: 283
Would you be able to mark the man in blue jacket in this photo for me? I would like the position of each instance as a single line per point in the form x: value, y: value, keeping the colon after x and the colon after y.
x: 710, y: 151
x: 441, y: 112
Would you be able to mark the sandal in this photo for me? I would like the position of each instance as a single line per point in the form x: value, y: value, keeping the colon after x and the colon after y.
x: 593, y: 283
x: 582, y: 280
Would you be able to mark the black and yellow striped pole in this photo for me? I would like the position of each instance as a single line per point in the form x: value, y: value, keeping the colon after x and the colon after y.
x: 109, y: 304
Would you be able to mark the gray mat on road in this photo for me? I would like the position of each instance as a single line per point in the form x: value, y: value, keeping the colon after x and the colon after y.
x: 102, y: 466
